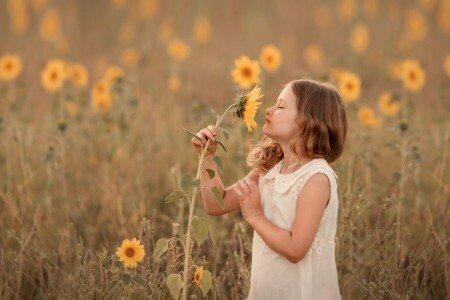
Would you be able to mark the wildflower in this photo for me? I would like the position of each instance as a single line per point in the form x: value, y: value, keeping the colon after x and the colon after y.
x: 247, y: 107
x: 359, y: 39
x: 131, y: 252
x: 270, y: 58
x: 413, y: 75
x: 367, y: 117
x: 198, y: 276
x: 350, y: 86
x: 10, y: 67
x: 78, y: 74
x: 388, y: 105
x: 313, y: 55
x: 178, y: 49
x: 202, y: 30
x: 447, y: 65
x: 52, y: 77
x: 100, y: 89
x: 113, y: 73
x: 101, y: 103
x: 246, y: 72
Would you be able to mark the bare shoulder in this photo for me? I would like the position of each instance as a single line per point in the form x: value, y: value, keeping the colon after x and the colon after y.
x: 253, y: 175
x: 317, y: 185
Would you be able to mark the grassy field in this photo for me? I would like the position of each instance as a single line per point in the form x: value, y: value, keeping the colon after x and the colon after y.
x: 94, y: 97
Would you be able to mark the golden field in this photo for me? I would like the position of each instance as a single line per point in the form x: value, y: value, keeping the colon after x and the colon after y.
x: 94, y: 100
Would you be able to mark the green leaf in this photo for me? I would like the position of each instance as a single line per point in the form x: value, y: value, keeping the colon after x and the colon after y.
x: 217, y: 196
x: 222, y: 145
x: 219, y: 163
x: 193, y: 134
x: 174, y: 284
x: 211, y: 173
x: 112, y: 286
x: 186, y: 182
x: 139, y: 280
x: 126, y: 278
x: 161, y: 247
x: 135, y: 296
x: 206, y: 282
x: 200, y: 229
x: 175, y: 195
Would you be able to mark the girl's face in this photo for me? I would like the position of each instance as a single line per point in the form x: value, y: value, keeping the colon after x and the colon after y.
x: 281, y: 122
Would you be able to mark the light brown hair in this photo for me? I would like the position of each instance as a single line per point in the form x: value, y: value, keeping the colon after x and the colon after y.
x: 322, y: 126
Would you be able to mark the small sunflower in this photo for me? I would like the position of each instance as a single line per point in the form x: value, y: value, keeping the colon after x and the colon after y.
x: 388, y: 105
x: 359, y: 39
x: 10, y: 67
x: 413, y: 75
x: 178, y: 49
x: 130, y: 57
x: 113, y: 73
x: 447, y: 65
x: 350, y: 86
x: 415, y: 25
x: 270, y: 58
x: 100, y: 89
x: 246, y: 72
x: 247, y: 107
x: 202, y: 30
x: 53, y: 76
x: 198, y: 275
x: 131, y: 252
x: 313, y: 55
x: 50, y: 26
x: 367, y: 117
x: 78, y: 74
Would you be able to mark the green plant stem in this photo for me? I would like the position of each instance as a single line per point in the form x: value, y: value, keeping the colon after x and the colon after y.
x: 187, y: 250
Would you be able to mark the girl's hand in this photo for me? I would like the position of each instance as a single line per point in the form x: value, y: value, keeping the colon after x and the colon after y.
x: 208, y: 133
x: 250, y: 199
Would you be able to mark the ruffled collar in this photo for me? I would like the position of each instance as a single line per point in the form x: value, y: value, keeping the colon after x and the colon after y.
x: 284, y: 181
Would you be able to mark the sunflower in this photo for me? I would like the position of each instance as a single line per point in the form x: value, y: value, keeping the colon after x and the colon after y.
x: 78, y: 74
x: 270, y: 58
x: 10, y: 67
x: 178, y: 49
x: 113, y: 73
x: 101, y: 103
x: 447, y: 65
x: 350, y: 86
x: 173, y: 83
x: 129, y: 57
x: 52, y: 77
x: 246, y: 72
x: 313, y: 55
x: 347, y: 9
x: 367, y: 117
x: 388, y: 105
x: 202, y: 30
x: 415, y: 25
x: 359, y: 39
x: 131, y: 252
x: 247, y: 106
x: 413, y: 75
x: 100, y: 89
x: 50, y: 26
x: 198, y: 276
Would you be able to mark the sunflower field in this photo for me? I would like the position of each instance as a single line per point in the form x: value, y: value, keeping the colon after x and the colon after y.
x: 98, y: 103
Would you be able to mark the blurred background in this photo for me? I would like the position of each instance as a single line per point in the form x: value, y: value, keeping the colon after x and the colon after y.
x: 94, y: 97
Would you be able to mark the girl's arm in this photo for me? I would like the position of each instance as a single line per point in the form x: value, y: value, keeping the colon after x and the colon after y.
x: 311, y: 203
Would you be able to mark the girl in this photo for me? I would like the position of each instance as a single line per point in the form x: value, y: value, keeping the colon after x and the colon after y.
x: 290, y: 195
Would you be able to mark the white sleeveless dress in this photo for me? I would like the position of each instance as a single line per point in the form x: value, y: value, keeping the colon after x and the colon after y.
x: 314, y: 277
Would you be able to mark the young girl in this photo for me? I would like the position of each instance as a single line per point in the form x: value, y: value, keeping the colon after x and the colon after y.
x: 290, y: 195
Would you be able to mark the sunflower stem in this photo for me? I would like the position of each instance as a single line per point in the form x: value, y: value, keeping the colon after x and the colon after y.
x: 187, y: 249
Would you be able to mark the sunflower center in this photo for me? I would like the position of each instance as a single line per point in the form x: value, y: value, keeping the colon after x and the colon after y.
x: 129, y: 252
x: 269, y: 58
x: 246, y: 72
x: 8, y: 66
x: 350, y: 86
x: 54, y: 75
x: 412, y: 76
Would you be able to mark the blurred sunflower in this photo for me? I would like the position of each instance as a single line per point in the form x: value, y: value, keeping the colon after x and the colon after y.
x: 130, y: 57
x: 359, y: 38
x: 71, y: 107
x: 388, y: 105
x: 19, y: 15
x: 347, y: 9
x: 127, y: 32
x: 415, y: 25
x: 413, y: 75
x: 101, y: 103
x: 270, y: 58
x: 248, y: 106
x: 131, y: 252
x: 146, y: 9
x: 10, y: 67
x: 350, y: 86
x: 395, y: 70
x: 370, y: 8
x: 112, y: 73
x: 447, y: 65
x: 442, y: 16
x: 367, y: 117
x: 313, y: 55
x: 198, y: 275
x: 37, y: 5
x: 166, y: 31
x: 178, y: 49
x: 246, y: 72
x: 174, y: 83
x: 322, y: 15
x: 78, y: 74
x: 202, y: 30
x: 100, y: 89
x: 50, y: 26
x: 53, y: 76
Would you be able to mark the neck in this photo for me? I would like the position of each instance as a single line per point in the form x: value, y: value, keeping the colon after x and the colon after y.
x: 291, y: 160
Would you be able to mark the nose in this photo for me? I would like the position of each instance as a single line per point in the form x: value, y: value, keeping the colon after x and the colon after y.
x: 268, y: 111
